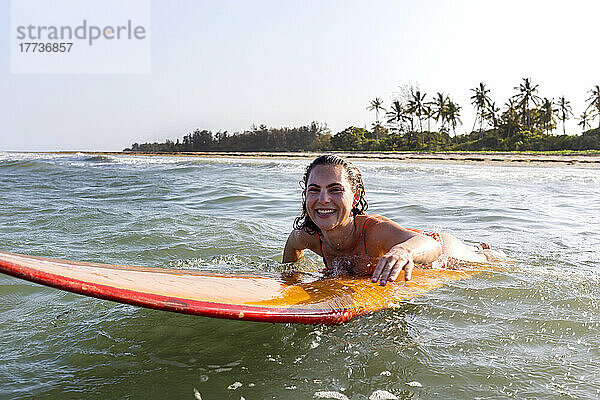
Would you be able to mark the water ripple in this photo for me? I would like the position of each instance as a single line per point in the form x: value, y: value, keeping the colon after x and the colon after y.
x: 527, y: 330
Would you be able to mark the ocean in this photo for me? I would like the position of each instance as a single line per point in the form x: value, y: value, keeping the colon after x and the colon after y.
x: 530, y: 329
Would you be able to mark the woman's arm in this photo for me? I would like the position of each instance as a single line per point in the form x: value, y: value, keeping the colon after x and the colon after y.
x: 294, y: 247
x: 402, y: 249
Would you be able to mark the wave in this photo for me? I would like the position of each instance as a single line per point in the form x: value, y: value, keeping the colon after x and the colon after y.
x: 98, y: 158
x: 483, y: 174
x: 37, y: 166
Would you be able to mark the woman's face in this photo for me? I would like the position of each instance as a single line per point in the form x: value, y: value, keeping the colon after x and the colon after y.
x: 329, y: 196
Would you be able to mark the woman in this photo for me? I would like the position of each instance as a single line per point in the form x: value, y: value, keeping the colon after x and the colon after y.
x: 334, y: 225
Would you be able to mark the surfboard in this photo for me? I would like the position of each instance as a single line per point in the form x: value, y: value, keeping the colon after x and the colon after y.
x: 240, y: 297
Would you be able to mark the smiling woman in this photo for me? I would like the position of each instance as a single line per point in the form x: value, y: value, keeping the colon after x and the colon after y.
x: 334, y: 225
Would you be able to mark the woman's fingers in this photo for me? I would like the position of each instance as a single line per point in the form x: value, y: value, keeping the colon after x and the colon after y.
x: 396, y: 272
x: 389, y: 268
x: 379, y: 268
x: 404, y: 264
x: 408, y: 268
x: 387, y: 271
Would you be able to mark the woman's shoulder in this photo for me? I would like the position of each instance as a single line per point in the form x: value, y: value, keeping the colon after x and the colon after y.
x: 380, y: 233
x: 301, y: 238
x: 373, y: 223
x: 373, y: 219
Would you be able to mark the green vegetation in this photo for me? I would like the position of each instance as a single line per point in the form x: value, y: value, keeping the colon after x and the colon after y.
x: 526, y: 123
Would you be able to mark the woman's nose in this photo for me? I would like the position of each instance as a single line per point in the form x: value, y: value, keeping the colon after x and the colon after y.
x: 323, y: 196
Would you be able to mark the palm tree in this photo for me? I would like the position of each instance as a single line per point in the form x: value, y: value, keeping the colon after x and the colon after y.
x: 511, y: 117
x: 416, y: 106
x: 527, y: 94
x: 481, y: 101
x: 377, y: 106
x: 548, y: 114
x: 397, y: 115
x: 491, y: 114
x: 594, y: 100
x: 439, y: 109
x: 429, y: 115
x: 453, y: 114
x: 584, y: 121
x: 564, y: 109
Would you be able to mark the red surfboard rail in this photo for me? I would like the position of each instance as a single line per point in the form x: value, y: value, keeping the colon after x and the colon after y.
x: 253, y: 298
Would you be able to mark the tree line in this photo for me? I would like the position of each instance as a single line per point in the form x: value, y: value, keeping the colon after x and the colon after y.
x: 415, y: 122
x: 313, y: 137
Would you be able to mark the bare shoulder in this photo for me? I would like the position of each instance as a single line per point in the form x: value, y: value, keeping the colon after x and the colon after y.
x: 296, y: 243
x: 301, y: 240
x: 375, y: 223
x: 381, y: 233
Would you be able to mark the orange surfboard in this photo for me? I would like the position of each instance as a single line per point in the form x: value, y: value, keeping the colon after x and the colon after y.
x: 253, y: 298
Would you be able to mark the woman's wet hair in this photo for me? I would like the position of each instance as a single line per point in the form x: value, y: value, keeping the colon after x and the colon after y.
x: 303, y: 222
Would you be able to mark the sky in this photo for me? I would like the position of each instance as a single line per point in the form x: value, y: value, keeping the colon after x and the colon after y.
x: 229, y: 64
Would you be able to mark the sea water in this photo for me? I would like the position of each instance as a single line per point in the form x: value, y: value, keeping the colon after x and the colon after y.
x: 528, y: 330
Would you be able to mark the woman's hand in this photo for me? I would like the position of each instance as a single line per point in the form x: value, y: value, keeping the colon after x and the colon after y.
x: 392, y: 263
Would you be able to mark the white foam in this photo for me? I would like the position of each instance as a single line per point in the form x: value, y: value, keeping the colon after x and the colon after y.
x: 330, y: 395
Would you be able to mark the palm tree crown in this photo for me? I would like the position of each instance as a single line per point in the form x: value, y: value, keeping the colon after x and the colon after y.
x: 564, y: 109
x: 377, y: 106
x: 440, y: 105
x: 527, y: 94
x: 491, y: 114
x: 453, y: 115
x: 594, y: 100
x: 481, y: 101
x: 397, y: 115
x: 584, y: 120
x: 548, y: 114
x: 416, y: 106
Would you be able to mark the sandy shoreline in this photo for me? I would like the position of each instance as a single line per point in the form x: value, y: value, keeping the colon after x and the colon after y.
x: 592, y: 160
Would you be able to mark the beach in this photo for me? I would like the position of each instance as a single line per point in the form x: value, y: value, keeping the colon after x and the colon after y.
x: 492, y: 158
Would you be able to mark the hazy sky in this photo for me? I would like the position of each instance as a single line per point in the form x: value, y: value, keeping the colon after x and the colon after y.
x: 225, y: 65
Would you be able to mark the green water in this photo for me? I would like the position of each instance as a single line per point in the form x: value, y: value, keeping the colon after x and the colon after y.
x: 531, y: 330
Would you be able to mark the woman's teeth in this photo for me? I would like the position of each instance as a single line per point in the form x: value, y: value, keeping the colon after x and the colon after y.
x: 325, y: 212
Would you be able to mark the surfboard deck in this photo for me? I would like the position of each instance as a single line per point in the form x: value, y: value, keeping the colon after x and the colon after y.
x: 253, y: 298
